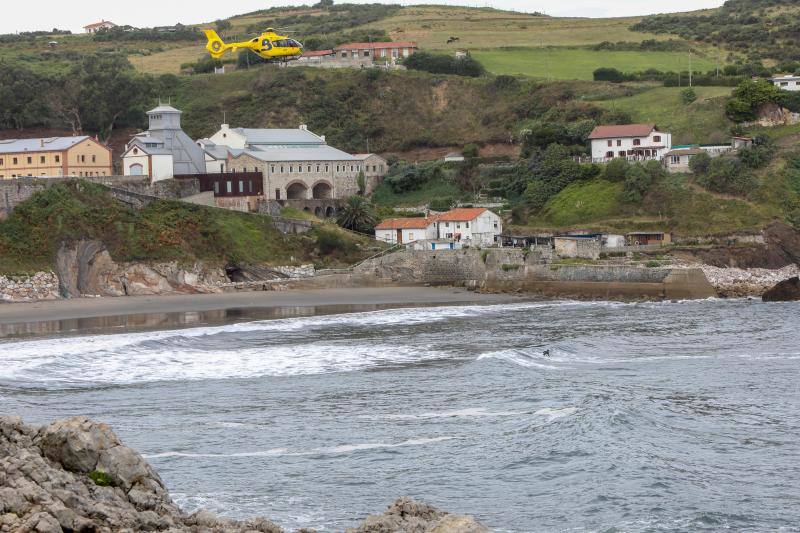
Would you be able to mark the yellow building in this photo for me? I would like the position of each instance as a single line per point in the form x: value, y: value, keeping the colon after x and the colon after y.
x: 54, y: 157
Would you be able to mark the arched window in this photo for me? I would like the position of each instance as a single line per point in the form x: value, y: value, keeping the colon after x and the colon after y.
x: 136, y: 169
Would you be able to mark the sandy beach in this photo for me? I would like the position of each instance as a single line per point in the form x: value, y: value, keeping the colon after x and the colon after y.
x: 84, y: 308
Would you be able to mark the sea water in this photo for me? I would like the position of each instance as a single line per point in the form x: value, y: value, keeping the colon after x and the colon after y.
x: 532, y: 416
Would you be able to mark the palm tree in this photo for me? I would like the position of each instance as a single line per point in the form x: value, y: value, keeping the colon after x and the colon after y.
x: 357, y: 214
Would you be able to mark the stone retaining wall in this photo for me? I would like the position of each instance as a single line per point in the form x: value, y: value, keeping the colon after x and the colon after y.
x: 40, y: 286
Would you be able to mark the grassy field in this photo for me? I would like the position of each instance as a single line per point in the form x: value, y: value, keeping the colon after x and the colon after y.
x: 431, y: 26
x: 701, y: 122
x: 580, y: 63
x: 168, y: 61
x: 384, y: 196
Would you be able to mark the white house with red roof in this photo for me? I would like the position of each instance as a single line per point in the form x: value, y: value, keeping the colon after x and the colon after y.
x: 473, y: 226
x: 97, y: 26
x: 406, y: 230
x: 634, y: 142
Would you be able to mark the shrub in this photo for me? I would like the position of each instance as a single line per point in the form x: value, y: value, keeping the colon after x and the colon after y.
x: 688, y: 95
x: 616, y: 170
x: 608, y: 74
x: 330, y: 241
x: 101, y: 479
x: 445, y: 64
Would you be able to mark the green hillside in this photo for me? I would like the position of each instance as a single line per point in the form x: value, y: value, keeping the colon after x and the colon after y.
x: 164, y: 231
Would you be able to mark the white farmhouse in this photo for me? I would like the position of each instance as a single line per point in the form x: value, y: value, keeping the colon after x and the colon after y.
x: 787, y: 83
x: 406, y: 230
x: 634, y: 142
x: 475, y: 226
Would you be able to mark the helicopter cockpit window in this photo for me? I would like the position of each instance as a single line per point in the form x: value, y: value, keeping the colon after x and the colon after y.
x: 293, y: 43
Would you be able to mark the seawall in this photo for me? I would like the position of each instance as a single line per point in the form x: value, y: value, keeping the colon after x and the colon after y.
x: 533, y: 271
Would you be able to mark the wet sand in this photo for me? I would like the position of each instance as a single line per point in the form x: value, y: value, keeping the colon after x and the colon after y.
x: 83, y: 314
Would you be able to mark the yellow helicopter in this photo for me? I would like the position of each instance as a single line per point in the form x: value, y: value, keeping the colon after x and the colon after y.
x: 269, y: 45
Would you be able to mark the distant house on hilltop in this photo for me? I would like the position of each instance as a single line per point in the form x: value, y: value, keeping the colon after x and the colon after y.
x: 634, y: 142
x: 97, y: 26
x: 376, y: 51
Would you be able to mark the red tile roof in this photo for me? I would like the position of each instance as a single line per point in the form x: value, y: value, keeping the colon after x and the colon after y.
x: 405, y: 223
x: 318, y: 53
x: 97, y: 24
x: 372, y: 46
x: 623, y: 130
x: 462, y: 214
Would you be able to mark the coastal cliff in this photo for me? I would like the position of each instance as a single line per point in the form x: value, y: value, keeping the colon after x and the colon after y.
x: 76, y: 475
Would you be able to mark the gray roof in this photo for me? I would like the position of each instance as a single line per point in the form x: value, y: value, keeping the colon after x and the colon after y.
x: 322, y: 152
x: 163, y: 108
x: 279, y: 136
x: 13, y: 146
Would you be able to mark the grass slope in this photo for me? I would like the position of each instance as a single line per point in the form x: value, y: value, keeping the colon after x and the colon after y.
x: 580, y: 63
x: 431, y: 26
x: 432, y: 190
x: 702, y: 122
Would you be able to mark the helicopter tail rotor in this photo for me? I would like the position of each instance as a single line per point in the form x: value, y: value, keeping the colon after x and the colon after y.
x: 215, y: 46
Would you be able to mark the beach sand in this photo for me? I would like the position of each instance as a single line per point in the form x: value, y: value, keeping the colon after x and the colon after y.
x: 176, y: 310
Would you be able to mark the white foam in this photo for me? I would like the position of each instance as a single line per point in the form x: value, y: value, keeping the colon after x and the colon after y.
x: 334, y: 450
x: 554, y: 414
x: 520, y: 358
x: 475, y: 412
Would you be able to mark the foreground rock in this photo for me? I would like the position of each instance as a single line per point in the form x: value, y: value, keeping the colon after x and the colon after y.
x: 785, y: 291
x: 408, y: 516
x: 76, y: 475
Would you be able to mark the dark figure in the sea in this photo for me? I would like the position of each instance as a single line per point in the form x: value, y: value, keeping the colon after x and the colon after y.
x: 546, y: 353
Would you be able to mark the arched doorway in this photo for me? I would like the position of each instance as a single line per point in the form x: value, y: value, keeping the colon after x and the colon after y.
x: 297, y: 191
x: 318, y: 212
x: 136, y: 169
x: 322, y: 191
x: 330, y: 212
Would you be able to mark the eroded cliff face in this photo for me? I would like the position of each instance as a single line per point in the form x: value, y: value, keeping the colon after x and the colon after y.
x: 85, y: 268
x: 76, y: 475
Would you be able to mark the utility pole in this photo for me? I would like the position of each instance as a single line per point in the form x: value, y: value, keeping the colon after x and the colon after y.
x: 690, y: 67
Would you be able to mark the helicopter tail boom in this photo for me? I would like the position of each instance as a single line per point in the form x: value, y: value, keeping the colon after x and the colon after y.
x: 216, y: 46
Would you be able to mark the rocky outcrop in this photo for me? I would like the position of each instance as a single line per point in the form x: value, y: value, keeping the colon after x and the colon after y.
x: 770, y: 115
x: 40, y: 286
x: 407, y: 516
x: 85, y: 268
x: 741, y: 282
x: 785, y: 291
x: 76, y: 475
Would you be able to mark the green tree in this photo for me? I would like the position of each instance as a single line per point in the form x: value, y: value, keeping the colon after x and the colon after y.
x: 699, y: 163
x: 223, y: 25
x: 616, y: 169
x: 749, y: 97
x: 357, y: 214
x: 637, y: 183
x: 361, y: 181
x: 22, y: 96
x: 470, y: 151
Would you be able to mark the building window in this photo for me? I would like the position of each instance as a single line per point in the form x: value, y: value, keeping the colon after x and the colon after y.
x: 1, y: 161
x: 637, y: 142
x: 619, y: 142
x: 41, y: 159
x: 366, y: 53
x: 272, y: 169
x: 58, y: 159
x: 229, y: 186
x: 317, y: 168
x: 250, y: 186
x: 14, y: 160
x: 410, y: 236
x: 30, y: 160
x: 467, y: 225
x: 657, y: 138
x: 344, y: 54
x: 281, y: 168
x: 610, y: 143
x: 277, y: 194
x: 216, y: 187
x: 446, y: 224
x: 326, y: 168
x: 622, y: 153
x: 309, y: 168
x: 609, y: 154
x: 241, y: 186
x: 676, y: 159
x: 291, y: 168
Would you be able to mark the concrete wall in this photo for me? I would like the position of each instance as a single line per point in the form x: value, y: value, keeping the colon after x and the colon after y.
x: 516, y: 269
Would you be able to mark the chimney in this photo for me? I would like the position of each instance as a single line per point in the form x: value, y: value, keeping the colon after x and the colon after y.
x: 225, y: 127
x: 323, y: 138
x: 303, y: 127
x: 41, y: 142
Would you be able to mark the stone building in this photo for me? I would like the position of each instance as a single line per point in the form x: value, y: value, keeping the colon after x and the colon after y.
x: 297, y: 164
